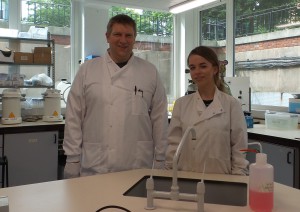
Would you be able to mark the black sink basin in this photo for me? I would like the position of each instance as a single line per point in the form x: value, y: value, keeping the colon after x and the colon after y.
x: 216, y: 192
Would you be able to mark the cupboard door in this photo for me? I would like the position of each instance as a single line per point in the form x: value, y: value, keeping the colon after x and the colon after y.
x: 32, y: 157
x: 283, y: 160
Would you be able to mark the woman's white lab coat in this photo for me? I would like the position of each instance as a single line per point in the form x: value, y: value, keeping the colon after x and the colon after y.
x: 221, y: 134
x: 115, y: 117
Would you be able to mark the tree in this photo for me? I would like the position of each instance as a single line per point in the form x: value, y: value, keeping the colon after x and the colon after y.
x: 149, y: 22
x: 49, y: 12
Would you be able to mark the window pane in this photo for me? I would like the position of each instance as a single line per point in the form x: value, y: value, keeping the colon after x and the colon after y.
x: 56, y: 18
x: 4, y: 13
x: 268, y: 49
x: 213, y: 32
x: 213, y: 29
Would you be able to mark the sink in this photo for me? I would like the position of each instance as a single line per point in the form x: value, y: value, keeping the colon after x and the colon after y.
x: 216, y: 192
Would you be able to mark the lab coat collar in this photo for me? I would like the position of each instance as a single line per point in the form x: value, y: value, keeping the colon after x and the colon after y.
x: 213, y: 109
x: 110, y: 60
x: 114, y: 70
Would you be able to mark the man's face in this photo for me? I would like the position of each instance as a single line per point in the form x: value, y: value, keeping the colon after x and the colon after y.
x: 121, y: 41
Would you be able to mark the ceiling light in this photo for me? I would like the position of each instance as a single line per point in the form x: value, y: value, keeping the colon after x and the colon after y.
x: 188, y: 5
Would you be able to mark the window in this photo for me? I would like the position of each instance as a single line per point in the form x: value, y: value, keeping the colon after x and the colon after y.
x: 213, y: 29
x: 4, y: 13
x: 267, y: 48
x: 51, y: 15
x: 267, y: 44
x: 56, y: 18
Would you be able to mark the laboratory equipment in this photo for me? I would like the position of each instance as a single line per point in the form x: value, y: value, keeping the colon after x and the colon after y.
x: 64, y: 87
x: 52, y: 108
x: 261, y: 184
x: 11, y: 106
x: 240, y: 89
x: 192, y: 88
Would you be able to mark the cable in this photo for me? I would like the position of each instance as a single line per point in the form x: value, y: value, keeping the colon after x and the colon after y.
x: 113, y: 206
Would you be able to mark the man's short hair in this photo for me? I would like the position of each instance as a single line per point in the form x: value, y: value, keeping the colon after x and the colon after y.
x: 121, y: 19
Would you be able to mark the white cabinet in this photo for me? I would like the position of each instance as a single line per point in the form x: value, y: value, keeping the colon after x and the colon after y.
x: 32, y: 157
x: 284, y: 160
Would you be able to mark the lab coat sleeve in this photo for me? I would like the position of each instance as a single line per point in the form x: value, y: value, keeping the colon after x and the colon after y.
x: 159, y: 119
x: 174, y: 135
x: 74, y: 118
x: 239, y: 140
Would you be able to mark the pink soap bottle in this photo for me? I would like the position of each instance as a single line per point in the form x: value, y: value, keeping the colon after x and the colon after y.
x: 261, y: 184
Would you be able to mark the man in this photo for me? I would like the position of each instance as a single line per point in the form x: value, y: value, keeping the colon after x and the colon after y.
x: 116, y: 117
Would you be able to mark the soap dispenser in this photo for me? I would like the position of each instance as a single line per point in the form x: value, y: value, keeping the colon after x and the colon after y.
x: 261, y: 184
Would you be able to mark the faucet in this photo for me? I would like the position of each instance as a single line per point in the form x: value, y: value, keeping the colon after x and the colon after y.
x: 174, y: 193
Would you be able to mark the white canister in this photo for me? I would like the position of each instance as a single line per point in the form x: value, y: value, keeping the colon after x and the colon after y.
x: 64, y: 87
x: 11, y: 106
x: 52, y: 109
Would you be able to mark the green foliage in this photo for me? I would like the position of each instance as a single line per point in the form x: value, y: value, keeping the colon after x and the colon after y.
x: 149, y: 22
x: 49, y: 12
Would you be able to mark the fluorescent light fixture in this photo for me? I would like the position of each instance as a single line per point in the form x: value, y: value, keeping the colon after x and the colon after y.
x: 188, y: 5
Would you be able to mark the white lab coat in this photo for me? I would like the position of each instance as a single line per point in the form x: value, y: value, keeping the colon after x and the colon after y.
x: 221, y: 134
x: 110, y: 126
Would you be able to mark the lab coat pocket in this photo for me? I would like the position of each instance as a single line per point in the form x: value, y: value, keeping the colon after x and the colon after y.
x: 139, y: 105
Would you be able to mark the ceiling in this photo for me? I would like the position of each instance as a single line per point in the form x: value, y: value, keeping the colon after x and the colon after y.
x: 139, y: 4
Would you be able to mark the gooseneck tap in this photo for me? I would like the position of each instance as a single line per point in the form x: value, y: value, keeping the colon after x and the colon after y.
x: 185, y: 138
x: 174, y: 193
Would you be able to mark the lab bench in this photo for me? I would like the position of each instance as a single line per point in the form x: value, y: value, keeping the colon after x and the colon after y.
x: 94, y: 192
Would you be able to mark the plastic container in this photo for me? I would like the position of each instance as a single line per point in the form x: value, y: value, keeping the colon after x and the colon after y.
x: 294, y: 105
x: 249, y: 119
x: 261, y: 184
x: 52, y: 109
x: 281, y: 121
x: 64, y: 87
x: 11, y: 106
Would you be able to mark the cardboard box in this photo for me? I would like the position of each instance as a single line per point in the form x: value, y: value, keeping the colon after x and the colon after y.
x: 23, y: 58
x: 42, y: 55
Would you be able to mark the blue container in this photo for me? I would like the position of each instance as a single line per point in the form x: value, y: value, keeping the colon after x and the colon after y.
x: 249, y: 121
x: 294, y: 105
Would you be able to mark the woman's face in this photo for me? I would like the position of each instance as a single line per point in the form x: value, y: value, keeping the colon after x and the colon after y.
x: 202, y: 71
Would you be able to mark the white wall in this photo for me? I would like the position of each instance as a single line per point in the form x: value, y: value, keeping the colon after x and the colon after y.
x: 94, y: 32
x: 88, y: 32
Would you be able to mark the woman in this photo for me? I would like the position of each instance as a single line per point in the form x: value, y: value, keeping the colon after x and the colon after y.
x: 217, y: 118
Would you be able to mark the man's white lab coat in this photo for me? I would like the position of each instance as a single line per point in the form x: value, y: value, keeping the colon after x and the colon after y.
x: 221, y: 134
x: 115, y: 117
